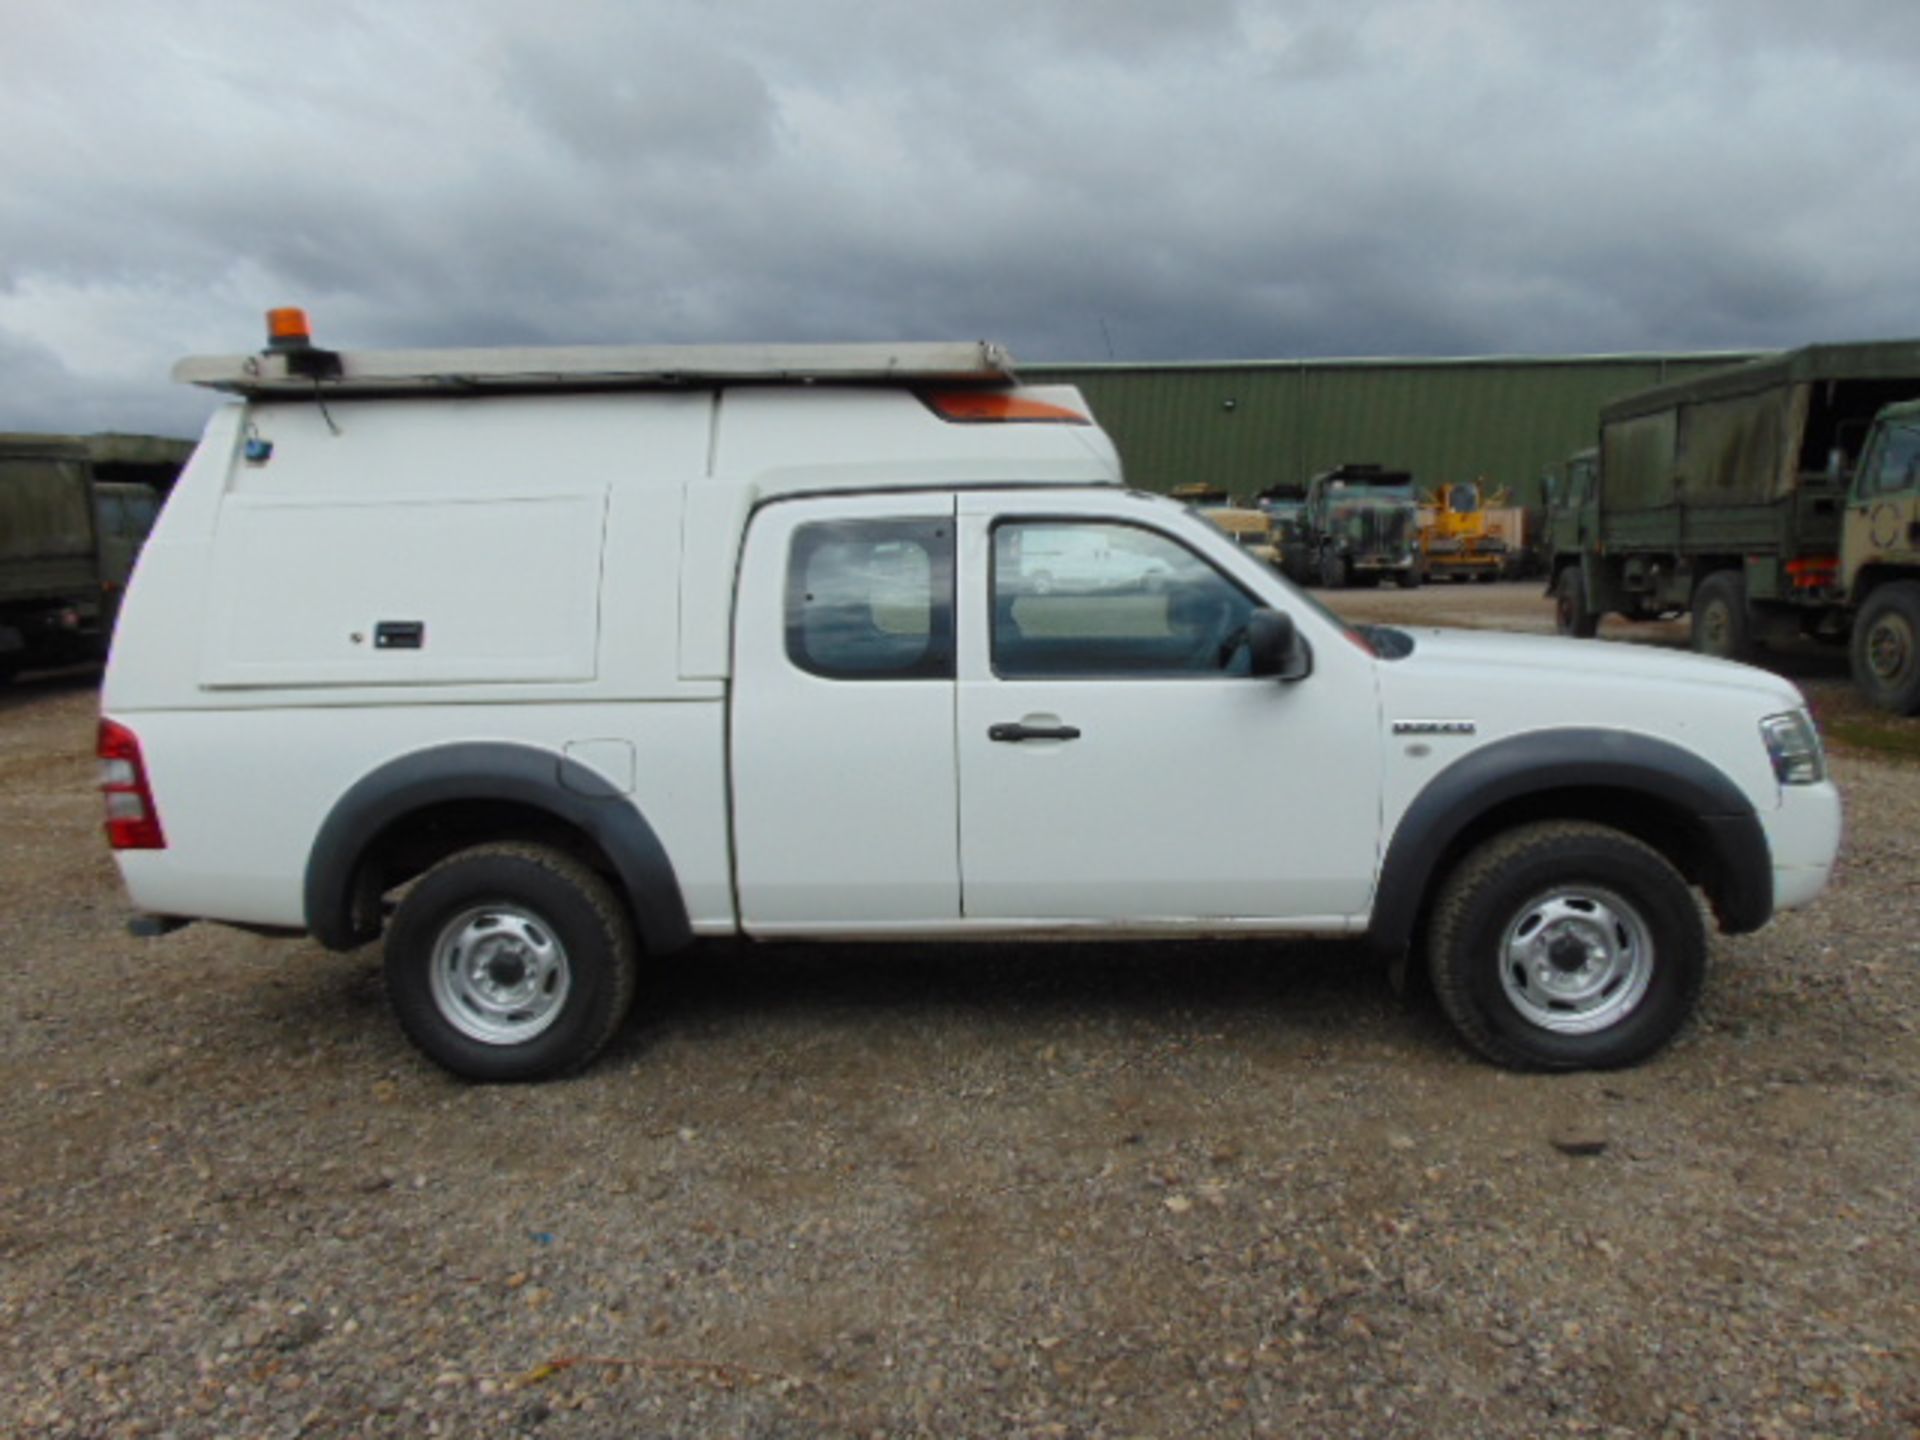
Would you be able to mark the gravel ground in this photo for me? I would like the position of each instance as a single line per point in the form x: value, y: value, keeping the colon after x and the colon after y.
x: 1066, y: 1191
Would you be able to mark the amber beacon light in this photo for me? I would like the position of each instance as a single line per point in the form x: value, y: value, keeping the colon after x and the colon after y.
x: 290, y: 336
x: 287, y: 329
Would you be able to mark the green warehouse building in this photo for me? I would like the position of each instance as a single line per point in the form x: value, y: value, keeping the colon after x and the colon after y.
x: 1243, y: 425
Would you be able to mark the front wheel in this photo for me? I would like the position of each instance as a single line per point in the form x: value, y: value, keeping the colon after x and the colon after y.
x: 1566, y: 946
x: 1333, y: 570
x: 1886, y: 647
x: 1570, y: 613
x: 510, y: 962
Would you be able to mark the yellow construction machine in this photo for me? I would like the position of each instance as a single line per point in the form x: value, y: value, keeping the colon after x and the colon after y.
x: 1463, y: 533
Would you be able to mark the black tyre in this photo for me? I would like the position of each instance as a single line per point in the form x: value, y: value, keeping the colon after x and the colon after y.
x: 1566, y: 946
x: 510, y: 962
x: 1333, y: 570
x: 1886, y: 647
x: 1570, y: 613
x: 1409, y: 578
x: 1721, y: 624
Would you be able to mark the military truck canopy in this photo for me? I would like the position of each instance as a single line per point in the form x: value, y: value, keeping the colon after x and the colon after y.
x: 1874, y: 360
x: 1747, y: 435
x: 46, y: 513
x: 44, y: 447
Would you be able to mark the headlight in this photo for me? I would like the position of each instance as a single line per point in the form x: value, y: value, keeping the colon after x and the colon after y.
x: 1794, y: 746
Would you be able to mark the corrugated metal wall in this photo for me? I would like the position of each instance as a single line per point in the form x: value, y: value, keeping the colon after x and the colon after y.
x: 1247, y: 426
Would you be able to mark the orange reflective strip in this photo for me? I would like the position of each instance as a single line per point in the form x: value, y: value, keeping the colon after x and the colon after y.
x: 998, y: 407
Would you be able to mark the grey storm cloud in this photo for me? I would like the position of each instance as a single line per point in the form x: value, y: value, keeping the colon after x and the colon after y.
x: 1206, y: 179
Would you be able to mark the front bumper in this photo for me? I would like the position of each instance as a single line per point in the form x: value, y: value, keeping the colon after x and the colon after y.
x: 1804, y: 837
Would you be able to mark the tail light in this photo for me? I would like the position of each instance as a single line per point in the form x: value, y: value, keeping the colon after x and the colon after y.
x: 1814, y: 572
x: 132, y: 821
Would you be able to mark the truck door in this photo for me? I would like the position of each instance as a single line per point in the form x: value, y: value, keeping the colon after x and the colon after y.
x: 1117, y: 763
x: 1883, y: 513
x: 844, y: 806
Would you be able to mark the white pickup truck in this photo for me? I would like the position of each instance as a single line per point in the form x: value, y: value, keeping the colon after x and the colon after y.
x: 543, y: 662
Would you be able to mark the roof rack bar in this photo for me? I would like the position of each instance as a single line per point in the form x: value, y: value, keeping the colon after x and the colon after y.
x: 604, y: 367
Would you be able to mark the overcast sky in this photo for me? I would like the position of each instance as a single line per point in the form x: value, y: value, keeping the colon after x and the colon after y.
x: 1081, y: 179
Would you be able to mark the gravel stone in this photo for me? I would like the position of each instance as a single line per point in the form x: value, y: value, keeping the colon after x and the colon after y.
x: 927, y: 1190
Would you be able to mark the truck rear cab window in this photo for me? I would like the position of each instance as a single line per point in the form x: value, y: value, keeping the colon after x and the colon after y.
x: 872, y: 599
x: 1094, y: 599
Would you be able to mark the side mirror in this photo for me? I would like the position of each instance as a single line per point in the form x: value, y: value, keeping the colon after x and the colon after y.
x: 1275, y: 648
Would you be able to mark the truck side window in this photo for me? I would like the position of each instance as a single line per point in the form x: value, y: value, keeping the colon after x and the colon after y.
x: 142, y: 511
x: 1893, y: 460
x: 1077, y: 598
x: 872, y: 599
x: 112, y: 515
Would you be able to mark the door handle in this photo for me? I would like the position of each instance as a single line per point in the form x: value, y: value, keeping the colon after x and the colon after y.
x: 1014, y: 732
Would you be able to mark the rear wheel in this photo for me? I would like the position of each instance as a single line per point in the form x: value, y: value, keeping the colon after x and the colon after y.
x: 1409, y: 578
x: 1566, y: 946
x: 510, y: 962
x: 1886, y: 647
x: 1570, y: 613
x: 1721, y: 624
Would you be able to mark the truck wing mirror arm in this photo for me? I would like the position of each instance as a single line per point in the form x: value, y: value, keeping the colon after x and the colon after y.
x: 1275, y: 647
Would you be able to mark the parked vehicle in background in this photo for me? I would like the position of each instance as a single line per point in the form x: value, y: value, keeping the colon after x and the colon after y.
x: 1458, y: 539
x: 1252, y: 530
x: 69, y: 537
x: 1880, y: 561
x: 773, y: 665
x: 1247, y: 526
x: 1743, y: 498
x: 1078, y: 562
x: 1573, y: 528
x: 1285, y: 507
x: 1362, y: 526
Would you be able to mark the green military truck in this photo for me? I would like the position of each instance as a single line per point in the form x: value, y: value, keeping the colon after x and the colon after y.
x: 1728, y: 495
x: 1362, y: 526
x: 1880, y: 561
x: 73, y: 512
